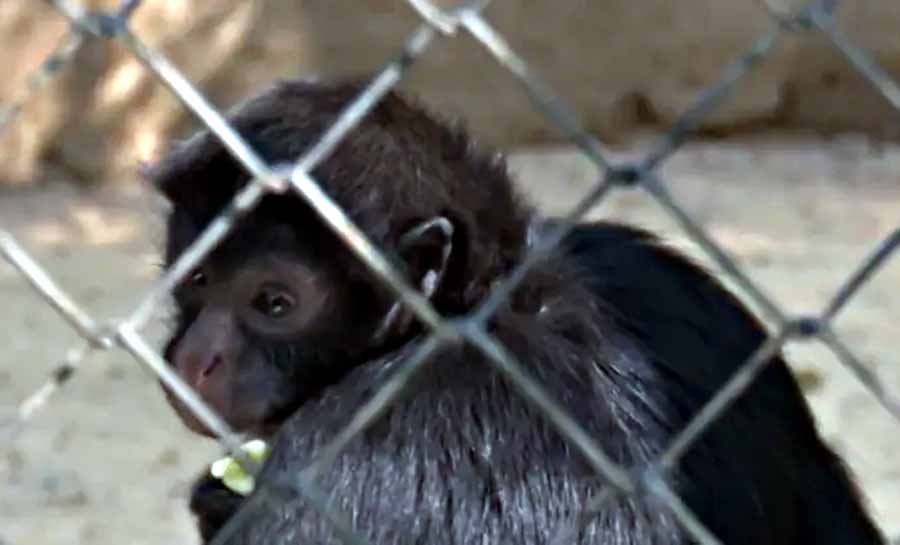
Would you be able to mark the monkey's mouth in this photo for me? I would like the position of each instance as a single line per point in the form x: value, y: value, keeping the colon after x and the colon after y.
x: 186, y: 415
x: 193, y: 423
x: 191, y: 420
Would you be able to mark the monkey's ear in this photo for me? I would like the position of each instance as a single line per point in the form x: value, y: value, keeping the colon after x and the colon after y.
x: 425, y: 250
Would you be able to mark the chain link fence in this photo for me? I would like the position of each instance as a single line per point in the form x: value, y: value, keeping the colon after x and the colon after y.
x: 439, y: 22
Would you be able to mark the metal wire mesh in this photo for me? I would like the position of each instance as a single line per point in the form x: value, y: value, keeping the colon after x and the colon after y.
x: 465, y: 17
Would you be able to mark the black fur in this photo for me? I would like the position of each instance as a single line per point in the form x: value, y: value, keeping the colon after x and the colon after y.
x: 629, y: 337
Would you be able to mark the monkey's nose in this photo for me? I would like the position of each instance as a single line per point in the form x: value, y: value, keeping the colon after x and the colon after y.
x: 206, y: 370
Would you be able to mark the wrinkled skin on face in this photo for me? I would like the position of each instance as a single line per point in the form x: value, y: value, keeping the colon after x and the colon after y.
x: 251, y: 338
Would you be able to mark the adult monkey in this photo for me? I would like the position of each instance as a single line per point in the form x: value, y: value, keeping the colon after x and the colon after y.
x: 285, y: 333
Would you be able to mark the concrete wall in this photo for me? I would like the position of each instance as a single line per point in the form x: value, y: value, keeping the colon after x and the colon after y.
x: 622, y: 65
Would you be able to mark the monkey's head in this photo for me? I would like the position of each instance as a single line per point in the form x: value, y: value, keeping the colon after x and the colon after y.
x: 281, y: 309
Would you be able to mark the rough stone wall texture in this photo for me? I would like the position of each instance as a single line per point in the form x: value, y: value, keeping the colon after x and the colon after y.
x: 622, y: 64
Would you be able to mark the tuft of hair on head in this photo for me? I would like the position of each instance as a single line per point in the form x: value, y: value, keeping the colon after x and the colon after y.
x: 400, y: 166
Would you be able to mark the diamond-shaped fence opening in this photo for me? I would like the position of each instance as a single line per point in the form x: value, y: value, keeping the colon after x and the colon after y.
x: 465, y: 18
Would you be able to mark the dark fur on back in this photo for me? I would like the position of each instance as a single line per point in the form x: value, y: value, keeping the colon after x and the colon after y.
x: 697, y: 335
x: 630, y: 338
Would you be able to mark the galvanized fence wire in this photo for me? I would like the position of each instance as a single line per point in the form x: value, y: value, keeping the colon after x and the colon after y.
x: 465, y: 17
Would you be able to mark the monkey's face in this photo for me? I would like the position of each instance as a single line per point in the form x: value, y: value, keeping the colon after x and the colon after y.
x: 282, y: 308
x: 261, y: 328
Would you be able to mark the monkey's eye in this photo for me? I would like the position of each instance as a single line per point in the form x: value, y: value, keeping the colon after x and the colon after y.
x: 273, y: 303
x: 198, y: 278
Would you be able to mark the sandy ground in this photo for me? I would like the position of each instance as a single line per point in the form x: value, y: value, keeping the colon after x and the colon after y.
x: 107, y: 463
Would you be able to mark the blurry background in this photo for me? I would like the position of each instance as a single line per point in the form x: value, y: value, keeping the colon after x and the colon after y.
x: 796, y: 175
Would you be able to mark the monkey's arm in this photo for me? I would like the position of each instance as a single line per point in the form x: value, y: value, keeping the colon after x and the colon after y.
x: 213, y: 504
